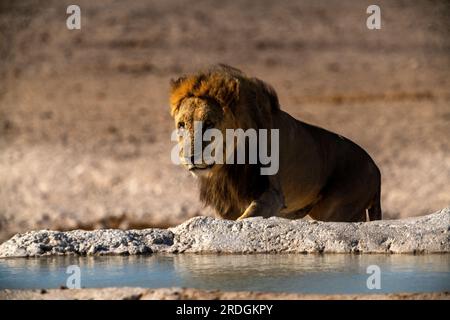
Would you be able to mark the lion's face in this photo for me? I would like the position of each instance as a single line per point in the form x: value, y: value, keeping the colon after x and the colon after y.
x: 192, y: 112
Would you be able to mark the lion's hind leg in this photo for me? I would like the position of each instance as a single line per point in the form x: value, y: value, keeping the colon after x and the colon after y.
x: 375, y: 208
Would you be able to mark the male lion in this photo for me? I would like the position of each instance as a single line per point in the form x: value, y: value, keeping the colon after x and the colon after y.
x: 321, y: 174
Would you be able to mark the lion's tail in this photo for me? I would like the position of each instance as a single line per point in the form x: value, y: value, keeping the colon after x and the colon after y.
x: 375, y: 209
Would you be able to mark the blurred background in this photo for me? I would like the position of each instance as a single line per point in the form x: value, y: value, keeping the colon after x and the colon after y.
x: 84, y: 114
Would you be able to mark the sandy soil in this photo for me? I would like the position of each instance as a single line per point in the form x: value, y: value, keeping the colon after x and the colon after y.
x: 195, y: 294
x: 84, y: 123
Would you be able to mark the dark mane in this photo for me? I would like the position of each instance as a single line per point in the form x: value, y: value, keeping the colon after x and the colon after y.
x: 231, y: 190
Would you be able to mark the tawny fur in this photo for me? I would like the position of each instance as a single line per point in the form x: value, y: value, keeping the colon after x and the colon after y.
x: 321, y: 173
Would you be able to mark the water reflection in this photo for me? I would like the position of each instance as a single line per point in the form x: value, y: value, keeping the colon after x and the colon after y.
x: 307, y: 273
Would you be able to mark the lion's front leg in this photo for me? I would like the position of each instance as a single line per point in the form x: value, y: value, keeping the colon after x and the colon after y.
x: 268, y: 205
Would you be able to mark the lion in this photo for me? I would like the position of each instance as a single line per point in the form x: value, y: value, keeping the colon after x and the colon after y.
x: 321, y: 174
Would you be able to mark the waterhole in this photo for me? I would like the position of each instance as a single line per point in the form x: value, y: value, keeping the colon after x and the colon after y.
x: 327, y: 274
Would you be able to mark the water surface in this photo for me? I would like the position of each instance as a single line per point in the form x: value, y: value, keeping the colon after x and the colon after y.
x: 332, y: 273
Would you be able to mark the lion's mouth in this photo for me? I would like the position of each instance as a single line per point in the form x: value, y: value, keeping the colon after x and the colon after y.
x: 192, y: 167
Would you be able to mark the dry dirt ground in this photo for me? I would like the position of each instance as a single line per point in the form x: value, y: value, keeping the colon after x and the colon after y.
x: 84, y: 122
x: 195, y: 294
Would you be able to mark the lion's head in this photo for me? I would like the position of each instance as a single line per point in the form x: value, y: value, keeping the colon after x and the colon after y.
x: 220, y: 98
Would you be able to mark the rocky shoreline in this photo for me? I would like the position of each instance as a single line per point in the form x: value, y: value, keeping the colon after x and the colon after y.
x: 426, y: 234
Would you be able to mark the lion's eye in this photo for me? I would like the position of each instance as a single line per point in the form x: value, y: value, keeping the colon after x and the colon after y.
x: 180, y: 125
